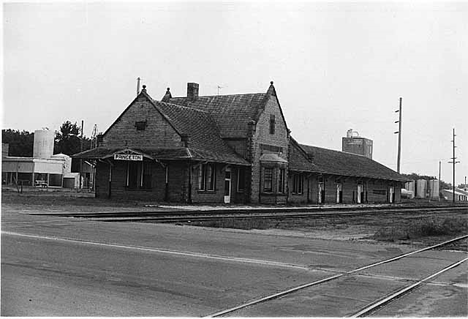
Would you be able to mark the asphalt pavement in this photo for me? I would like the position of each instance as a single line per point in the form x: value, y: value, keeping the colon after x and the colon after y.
x: 56, y: 266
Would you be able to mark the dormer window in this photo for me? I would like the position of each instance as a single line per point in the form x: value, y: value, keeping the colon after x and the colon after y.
x: 141, y: 125
x: 272, y: 124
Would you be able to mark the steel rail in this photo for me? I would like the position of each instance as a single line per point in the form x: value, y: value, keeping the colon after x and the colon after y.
x: 274, y: 212
x: 370, y: 308
x: 248, y: 215
x: 315, y: 283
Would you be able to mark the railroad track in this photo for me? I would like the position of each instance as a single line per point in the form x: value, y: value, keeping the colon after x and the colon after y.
x: 370, y: 308
x: 210, y: 215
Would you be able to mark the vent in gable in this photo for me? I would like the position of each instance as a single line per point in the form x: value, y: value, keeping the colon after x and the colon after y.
x: 141, y: 125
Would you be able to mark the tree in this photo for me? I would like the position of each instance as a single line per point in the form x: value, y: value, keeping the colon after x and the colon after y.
x: 20, y: 143
x: 68, y: 139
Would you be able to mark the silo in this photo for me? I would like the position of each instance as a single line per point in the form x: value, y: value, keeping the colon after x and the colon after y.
x: 43, y: 144
x: 410, y: 186
x: 434, y: 189
x: 421, y: 188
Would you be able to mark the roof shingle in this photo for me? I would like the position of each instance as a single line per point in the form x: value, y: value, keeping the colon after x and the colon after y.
x: 203, y: 131
x: 299, y: 160
x: 231, y: 112
x: 180, y: 153
x: 347, y: 164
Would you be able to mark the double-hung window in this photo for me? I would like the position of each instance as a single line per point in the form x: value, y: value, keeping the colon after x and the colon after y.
x: 281, y: 178
x: 268, y: 180
x: 206, y: 177
x: 298, y: 182
x: 240, y: 180
x: 138, y: 175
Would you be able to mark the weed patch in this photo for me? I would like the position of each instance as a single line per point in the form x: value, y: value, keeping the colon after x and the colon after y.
x: 427, y: 227
x: 236, y: 223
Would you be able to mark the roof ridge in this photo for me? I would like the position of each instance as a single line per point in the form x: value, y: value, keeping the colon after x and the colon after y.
x: 323, y: 148
x: 331, y: 150
x: 220, y: 95
x: 183, y: 106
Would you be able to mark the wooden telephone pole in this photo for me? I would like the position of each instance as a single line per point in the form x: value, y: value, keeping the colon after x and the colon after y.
x: 453, y: 162
x: 399, y: 136
x: 81, y: 150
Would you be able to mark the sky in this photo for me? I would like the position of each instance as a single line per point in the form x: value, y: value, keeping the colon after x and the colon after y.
x: 335, y: 66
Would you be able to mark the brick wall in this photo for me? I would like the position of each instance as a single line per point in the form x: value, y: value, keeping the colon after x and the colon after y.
x: 307, y: 195
x: 262, y: 135
x: 157, y: 133
x: 176, y: 182
x: 217, y: 195
x: 208, y: 196
x: 102, y: 179
x: 374, y: 191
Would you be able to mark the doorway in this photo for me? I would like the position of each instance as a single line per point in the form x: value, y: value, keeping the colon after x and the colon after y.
x: 321, y: 193
x: 391, y: 194
x: 360, y: 193
x: 227, y: 187
x: 339, y: 193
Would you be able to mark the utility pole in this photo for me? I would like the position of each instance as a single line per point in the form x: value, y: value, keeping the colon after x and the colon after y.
x: 399, y: 136
x: 440, y: 163
x: 81, y: 150
x: 453, y: 162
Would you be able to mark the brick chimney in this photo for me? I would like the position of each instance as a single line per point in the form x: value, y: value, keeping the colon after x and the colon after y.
x: 5, y: 149
x: 192, y: 91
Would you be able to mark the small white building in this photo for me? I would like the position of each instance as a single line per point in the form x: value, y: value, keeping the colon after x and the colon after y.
x: 460, y: 195
x: 43, y: 169
x: 31, y: 171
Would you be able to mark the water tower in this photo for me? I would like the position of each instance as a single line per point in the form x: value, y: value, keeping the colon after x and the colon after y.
x: 43, y: 144
x: 355, y: 144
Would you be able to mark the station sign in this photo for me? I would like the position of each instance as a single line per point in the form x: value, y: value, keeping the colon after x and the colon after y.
x: 128, y: 157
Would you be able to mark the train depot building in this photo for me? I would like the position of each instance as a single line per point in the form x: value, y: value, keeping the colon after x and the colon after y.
x: 227, y: 149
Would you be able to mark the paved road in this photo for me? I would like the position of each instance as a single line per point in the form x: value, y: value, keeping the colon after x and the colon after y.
x: 55, y: 266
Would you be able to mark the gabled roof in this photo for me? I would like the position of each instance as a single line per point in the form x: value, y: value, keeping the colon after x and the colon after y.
x: 198, y: 125
x: 232, y: 112
x: 204, y: 140
x: 166, y: 154
x: 146, y: 95
x: 203, y: 133
x: 156, y: 153
x: 347, y: 164
x: 299, y: 160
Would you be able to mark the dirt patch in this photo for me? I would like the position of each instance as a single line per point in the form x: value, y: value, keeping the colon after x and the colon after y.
x: 424, y: 228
